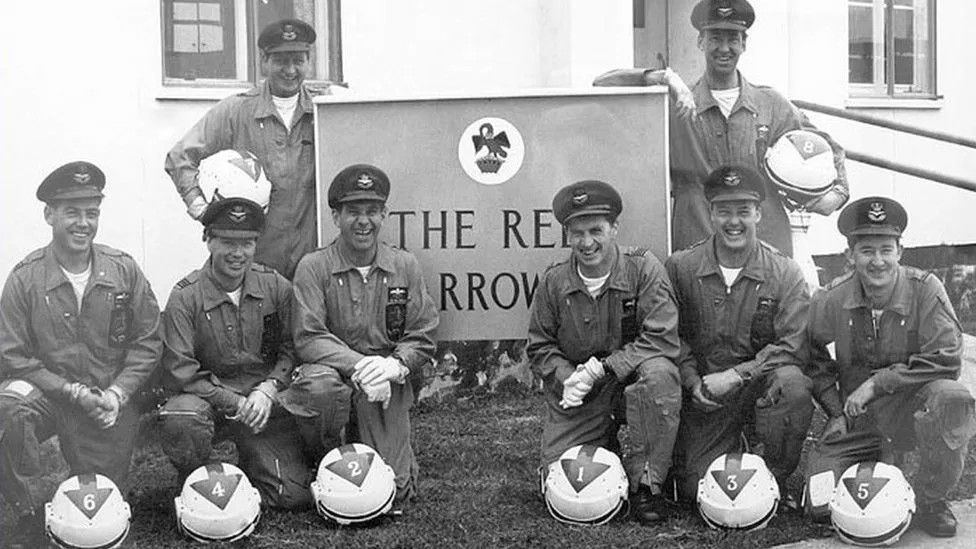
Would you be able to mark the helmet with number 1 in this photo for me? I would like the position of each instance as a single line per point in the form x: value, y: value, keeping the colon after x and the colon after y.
x: 217, y: 503
x: 353, y: 484
x: 738, y: 492
x: 586, y: 485
x: 234, y: 174
x: 872, y: 505
x: 87, y: 511
x: 801, y: 164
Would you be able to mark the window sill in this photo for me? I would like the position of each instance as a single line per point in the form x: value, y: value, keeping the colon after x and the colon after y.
x: 918, y: 103
x: 183, y: 93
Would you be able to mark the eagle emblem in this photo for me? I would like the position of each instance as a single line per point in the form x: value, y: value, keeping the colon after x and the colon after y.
x: 732, y: 179
x: 237, y: 214
x: 365, y: 182
x: 580, y: 198
x: 876, y: 212
x: 288, y: 33
x: 82, y: 177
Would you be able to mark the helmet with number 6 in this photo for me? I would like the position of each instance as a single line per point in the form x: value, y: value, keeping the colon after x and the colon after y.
x: 586, y: 485
x: 801, y: 164
x: 353, y: 484
x: 217, y: 503
x: 234, y: 174
x: 738, y: 492
x: 87, y: 511
x: 872, y: 505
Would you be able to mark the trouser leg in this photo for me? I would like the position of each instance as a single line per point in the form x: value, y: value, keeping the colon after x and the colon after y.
x: 108, y: 452
x: 943, y: 425
x: 827, y: 461
x: 274, y: 461
x: 27, y: 418
x: 586, y: 424
x: 388, y: 432
x: 783, y: 414
x: 186, y: 425
x: 320, y: 402
x: 702, y: 437
x: 653, y: 408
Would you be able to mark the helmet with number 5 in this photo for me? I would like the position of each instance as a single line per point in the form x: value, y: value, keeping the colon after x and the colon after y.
x: 738, y: 492
x: 801, y: 164
x: 217, y: 503
x: 234, y: 174
x: 353, y: 484
x: 87, y: 511
x: 872, y: 505
x: 586, y: 485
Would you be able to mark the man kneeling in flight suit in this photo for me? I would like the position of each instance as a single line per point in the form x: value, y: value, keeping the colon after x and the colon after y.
x: 604, y: 325
x: 228, y: 346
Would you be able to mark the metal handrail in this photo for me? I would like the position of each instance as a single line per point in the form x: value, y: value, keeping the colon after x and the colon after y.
x: 952, y: 181
x: 881, y: 122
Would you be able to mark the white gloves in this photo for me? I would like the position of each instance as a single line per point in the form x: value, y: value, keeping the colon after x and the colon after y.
x: 197, y: 206
x: 378, y: 392
x: 373, y: 374
x: 580, y: 382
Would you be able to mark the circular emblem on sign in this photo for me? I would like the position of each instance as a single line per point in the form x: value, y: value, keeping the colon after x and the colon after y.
x: 491, y: 150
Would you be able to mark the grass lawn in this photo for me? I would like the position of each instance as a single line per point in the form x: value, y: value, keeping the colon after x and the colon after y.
x: 478, y: 459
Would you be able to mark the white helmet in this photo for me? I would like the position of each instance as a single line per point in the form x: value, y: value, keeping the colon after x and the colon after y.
x: 234, y: 174
x: 217, y: 503
x: 353, y: 484
x: 87, y: 511
x: 586, y: 485
x: 738, y: 492
x: 801, y: 164
x: 872, y: 505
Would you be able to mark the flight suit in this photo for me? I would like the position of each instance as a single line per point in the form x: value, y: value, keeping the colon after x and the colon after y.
x: 632, y: 327
x: 339, y: 318
x: 913, y: 353
x: 756, y: 326
x: 47, y: 340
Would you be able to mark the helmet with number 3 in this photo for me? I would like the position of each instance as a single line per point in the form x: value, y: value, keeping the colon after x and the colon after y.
x: 234, y: 174
x: 353, y: 484
x: 586, y: 485
x: 738, y: 492
x: 217, y: 503
x: 87, y: 511
x: 872, y: 505
x: 801, y: 164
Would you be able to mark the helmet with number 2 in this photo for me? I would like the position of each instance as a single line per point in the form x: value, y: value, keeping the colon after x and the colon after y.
x: 801, y: 164
x: 353, y: 484
x: 234, y: 174
x: 217, y: 503
x: 586, y: 485
x: 738, y: 492
x: 87, y: 511
x: 872, y: 505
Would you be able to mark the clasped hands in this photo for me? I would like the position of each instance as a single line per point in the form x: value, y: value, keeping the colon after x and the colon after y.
x: 580, y: 382
x: 101, y: 406
x: 707, y: 392
x: 373, y: 374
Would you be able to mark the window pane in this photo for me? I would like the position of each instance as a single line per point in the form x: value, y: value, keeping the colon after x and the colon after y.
x: 904, y: 49
x: 860, y: 52
x: 199, y: 40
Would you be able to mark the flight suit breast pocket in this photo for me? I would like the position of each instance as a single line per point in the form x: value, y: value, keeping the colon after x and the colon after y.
x: 270, y: 337
x: 120, y: 319
x: 763, y: 331
x: 628, y: 320
x: 396, y: 311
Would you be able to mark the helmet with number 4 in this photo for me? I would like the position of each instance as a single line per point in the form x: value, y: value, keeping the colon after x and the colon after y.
x: 801, y: 164
x: 738, y: 492
x: 217, y: 503
x: 872, y: 505
x: 87, y: 511
x: 234, y: 174
x: 586, y: 485
x: 353, y: 484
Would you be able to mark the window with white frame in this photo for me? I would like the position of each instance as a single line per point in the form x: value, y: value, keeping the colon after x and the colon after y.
x: 891, y: 48
x: 213, y: 43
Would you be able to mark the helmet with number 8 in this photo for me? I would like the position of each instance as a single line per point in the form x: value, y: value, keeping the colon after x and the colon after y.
x: 872, y: 505
x: 586, y: 485
x: 217, y: 503
x: 801, y: 164
x: 353, y: 484
x: 738, y: 492
x: 87, y: 511
x: 234, y: 174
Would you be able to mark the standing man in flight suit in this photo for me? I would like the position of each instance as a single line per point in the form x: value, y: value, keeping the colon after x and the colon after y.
x: 228, y: 349
x: 742, y: 306
x: 78, y: 338
x: 364, y: 317
x: 892, y: 386
x: 604, y: 322
x: 274, y: 121
x: 725, y: 120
